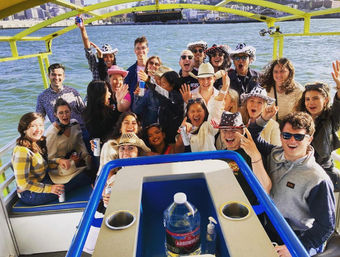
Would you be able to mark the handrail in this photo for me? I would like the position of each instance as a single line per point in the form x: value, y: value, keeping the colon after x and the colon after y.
x: 6, y: 181
x: 288, y: 236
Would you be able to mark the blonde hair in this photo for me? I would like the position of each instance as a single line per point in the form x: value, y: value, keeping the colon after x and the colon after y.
x: 234, y: 100
x: 244, y: 110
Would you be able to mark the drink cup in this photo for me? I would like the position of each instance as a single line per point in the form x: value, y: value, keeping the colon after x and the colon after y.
x: 141, y: 88
x: 96, y: 150
x: 62, y: 197
x: 184, y: 135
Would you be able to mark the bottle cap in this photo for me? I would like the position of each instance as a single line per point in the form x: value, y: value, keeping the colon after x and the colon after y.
x: 180, y: 198
x: 211, y: 226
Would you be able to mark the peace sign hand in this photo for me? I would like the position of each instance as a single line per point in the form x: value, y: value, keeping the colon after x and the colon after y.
x: 248, y: 145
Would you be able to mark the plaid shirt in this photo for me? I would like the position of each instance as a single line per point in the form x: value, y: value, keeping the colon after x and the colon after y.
x: 46, y: 101
x: 93, y: 64
x: 29, y: 170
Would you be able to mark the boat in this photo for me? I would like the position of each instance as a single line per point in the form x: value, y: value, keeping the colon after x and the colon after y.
x: 17, y: 228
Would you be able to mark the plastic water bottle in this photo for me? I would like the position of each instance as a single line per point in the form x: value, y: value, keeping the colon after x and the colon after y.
x: 182, y: 228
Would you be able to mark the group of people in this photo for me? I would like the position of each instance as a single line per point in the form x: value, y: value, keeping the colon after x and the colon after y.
x: 285, y: 132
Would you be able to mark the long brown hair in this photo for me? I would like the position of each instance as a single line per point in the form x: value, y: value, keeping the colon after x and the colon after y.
x: 267, y: 79
x: 146, y: 70
x: 24, y: 123
x: 320, y: 87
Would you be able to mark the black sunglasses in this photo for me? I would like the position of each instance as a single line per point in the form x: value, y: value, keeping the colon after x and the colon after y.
x: 197, y: 50
x: 298, y: 137
x: 242, y: 57
x: 195, y: 100
x: 186, y: 56
x: 219, y: 54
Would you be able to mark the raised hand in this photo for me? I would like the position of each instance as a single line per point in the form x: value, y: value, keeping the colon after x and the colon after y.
x: 121, y: 92
x: 336, y: 73
x: 185, y: 92
x: 99, y: 52
x: 269, y: 112
x: 249, y: 146
x: 142, y: 75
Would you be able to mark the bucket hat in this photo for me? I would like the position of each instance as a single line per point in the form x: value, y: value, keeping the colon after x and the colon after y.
x: 63, y: 176
x: 230, y: 120
x: 131, y: 139
x: 242, y: 48
x: 217, y: 48
x: 115, y: 69
x: 200, y: 43
x: 107, y: 49
x: 257, y: 92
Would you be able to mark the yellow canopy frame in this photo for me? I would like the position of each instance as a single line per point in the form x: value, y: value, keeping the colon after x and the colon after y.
x: 7, y: 9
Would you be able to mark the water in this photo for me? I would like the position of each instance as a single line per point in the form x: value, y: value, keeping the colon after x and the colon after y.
x: 20, y: 81
x: 182, y: 228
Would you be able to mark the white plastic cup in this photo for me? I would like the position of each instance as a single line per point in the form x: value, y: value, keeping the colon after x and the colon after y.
x: 62, y: 197
x: 96, y: 150
x: 184, y: 135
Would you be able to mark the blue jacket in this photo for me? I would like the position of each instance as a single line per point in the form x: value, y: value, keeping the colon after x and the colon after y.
x: 146, y: 107
x: 131, y: 79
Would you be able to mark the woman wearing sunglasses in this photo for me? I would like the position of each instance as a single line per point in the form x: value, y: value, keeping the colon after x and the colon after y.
x: 315, y: 100
x: 278, y: 80
x: 219, y: 59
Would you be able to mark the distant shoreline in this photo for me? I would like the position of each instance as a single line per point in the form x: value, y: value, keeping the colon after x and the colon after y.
x: 181, y: 22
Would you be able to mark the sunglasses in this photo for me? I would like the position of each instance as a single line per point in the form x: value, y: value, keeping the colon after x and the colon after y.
x: 243, y: 57
x: 297, y: 137
x: 197, y: 51
x: 154, y: 63
x: 195, y: 100
x: 186, y: 56
x: 217, y: 54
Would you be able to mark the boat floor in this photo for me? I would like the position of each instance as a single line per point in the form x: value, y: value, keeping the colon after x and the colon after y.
x: 54, y: 254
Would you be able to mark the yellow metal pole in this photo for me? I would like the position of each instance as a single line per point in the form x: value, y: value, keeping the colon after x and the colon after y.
x: 275, y: 40
x: 14, y: 49
x: 43, y: 71
x: 306, y: 25
x: 281, y: 41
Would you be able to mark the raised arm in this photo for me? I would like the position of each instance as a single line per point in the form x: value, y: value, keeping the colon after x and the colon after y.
x: 248, y: 145
x: 336, y: 76
x: 84, y: 36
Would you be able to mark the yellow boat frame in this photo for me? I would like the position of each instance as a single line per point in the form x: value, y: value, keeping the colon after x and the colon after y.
x: 14, y: 6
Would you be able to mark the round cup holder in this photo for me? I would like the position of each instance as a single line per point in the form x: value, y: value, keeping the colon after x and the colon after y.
x: 120, y: 220
x: 235, y: 210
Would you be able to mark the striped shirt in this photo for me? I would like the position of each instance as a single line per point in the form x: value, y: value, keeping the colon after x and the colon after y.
x: 29, y: 170
x: 46, y: 101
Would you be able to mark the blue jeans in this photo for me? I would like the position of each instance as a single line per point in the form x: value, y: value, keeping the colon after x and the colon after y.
x: 33, y: 198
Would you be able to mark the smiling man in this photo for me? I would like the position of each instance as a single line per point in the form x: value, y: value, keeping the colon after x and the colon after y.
x: 141, y: 50
x: 186, y: 62
x: 301, y: 189
x: 198, y: 49
x: 47, y: 99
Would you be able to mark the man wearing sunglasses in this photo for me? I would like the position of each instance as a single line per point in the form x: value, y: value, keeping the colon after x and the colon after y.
x: 242, y: 78
x: 301, y: 189
x: 198, y: 49
x: 186, y: 62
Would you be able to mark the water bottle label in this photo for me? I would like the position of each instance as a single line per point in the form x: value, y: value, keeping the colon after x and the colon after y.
x: 185, y: 243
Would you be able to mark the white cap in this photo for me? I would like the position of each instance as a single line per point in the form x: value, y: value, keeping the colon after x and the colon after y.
x: 180, y: 198
x: 211, y: 226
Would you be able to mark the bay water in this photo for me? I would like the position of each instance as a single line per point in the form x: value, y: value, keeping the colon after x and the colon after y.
x: 21, y: 82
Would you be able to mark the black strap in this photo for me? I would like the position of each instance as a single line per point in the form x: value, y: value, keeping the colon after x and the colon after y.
x: 277, y: 103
